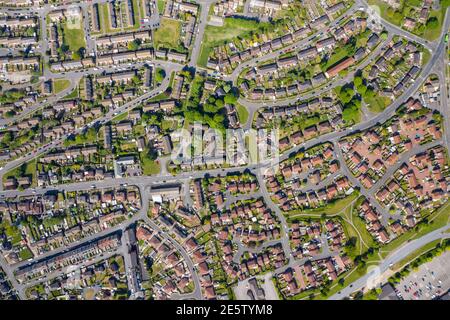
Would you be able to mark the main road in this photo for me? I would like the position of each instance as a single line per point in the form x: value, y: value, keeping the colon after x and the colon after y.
x: 370, y: 279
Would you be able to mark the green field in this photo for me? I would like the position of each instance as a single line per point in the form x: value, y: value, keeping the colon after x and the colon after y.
x: 149, y: 167
x: 232, y: 28
x: 25, y: 254
x: 161, y: 4
x: 74, y: 38
x: 355, y: 226
x: 120, y: 117
x: 329, y: 210
x: 168, y: 34
x: 242, y: 113
x: 377, y: 104
x: 60, y: 85
x: 351, y: 115
x: 105, y: 24
x: 72, y: 95
x: 386, y: 12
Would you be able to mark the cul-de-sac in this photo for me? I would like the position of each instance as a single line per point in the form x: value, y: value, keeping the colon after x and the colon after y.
x: 224, y: 150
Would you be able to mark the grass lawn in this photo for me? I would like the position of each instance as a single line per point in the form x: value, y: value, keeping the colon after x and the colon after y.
x: 377, y: 104
x: 72, y: 95
x: 413, y: 256
x: 25, y: 254
x: 168, y: 124
x: 434, y: 33
x: 242, y: 113
x: 215, y: 36
x: 11, y: 231
x: 120, y: 117
x: 351, y: 115
x: 356, y: 227
x: 331, y: 209
x: 149, y: 166
x: 105, y: 25
x: 161, y: 4
x: 60, y: 85
x: 168, y: 34
x: 74, y: 37
x: 136, y: 13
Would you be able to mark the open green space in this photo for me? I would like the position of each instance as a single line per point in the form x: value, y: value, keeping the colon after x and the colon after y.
x: 25, y: 254
x: 168, y: 34
x: 242, y: 113
x: 72, y: 95
x: 416, y: 254
x: 149, y: 165
x: 60, y: 85
x: 331, y: 209
x: 120, y: 117
x: 74, y: 38
x: 355, y: 227
x: 377, y: 103
x: 105, y: 24
x: 161, y: 4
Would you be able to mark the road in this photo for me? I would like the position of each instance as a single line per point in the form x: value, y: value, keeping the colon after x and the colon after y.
x: 370, y: 279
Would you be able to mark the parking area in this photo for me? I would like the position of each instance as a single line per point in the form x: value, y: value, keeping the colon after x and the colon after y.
x: 430, y: 281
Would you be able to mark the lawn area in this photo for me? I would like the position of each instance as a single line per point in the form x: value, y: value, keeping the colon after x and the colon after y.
x: 351, y: 115
x: 168, y: 34
x: 232, y: 27
x: 60, y: 85
x: 149, y: 166
x: 11, y: 231
x: 168, y: 124
x: 136, y: 12
x: 355, y: 227
x: 330, y: 209
x: 25, y: 254
x: 377, y: 103
x: 434, y: 33
x: 120, y: 117
x: 410, y: 258
x: 161, y: 4
x: 74, y: 37
x: 72, y: 95
x: 105, y: 25
x: 242, y: 113
x: 426, y: 55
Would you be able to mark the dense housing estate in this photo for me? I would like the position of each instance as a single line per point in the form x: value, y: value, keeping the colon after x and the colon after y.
x: 230, y: 149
